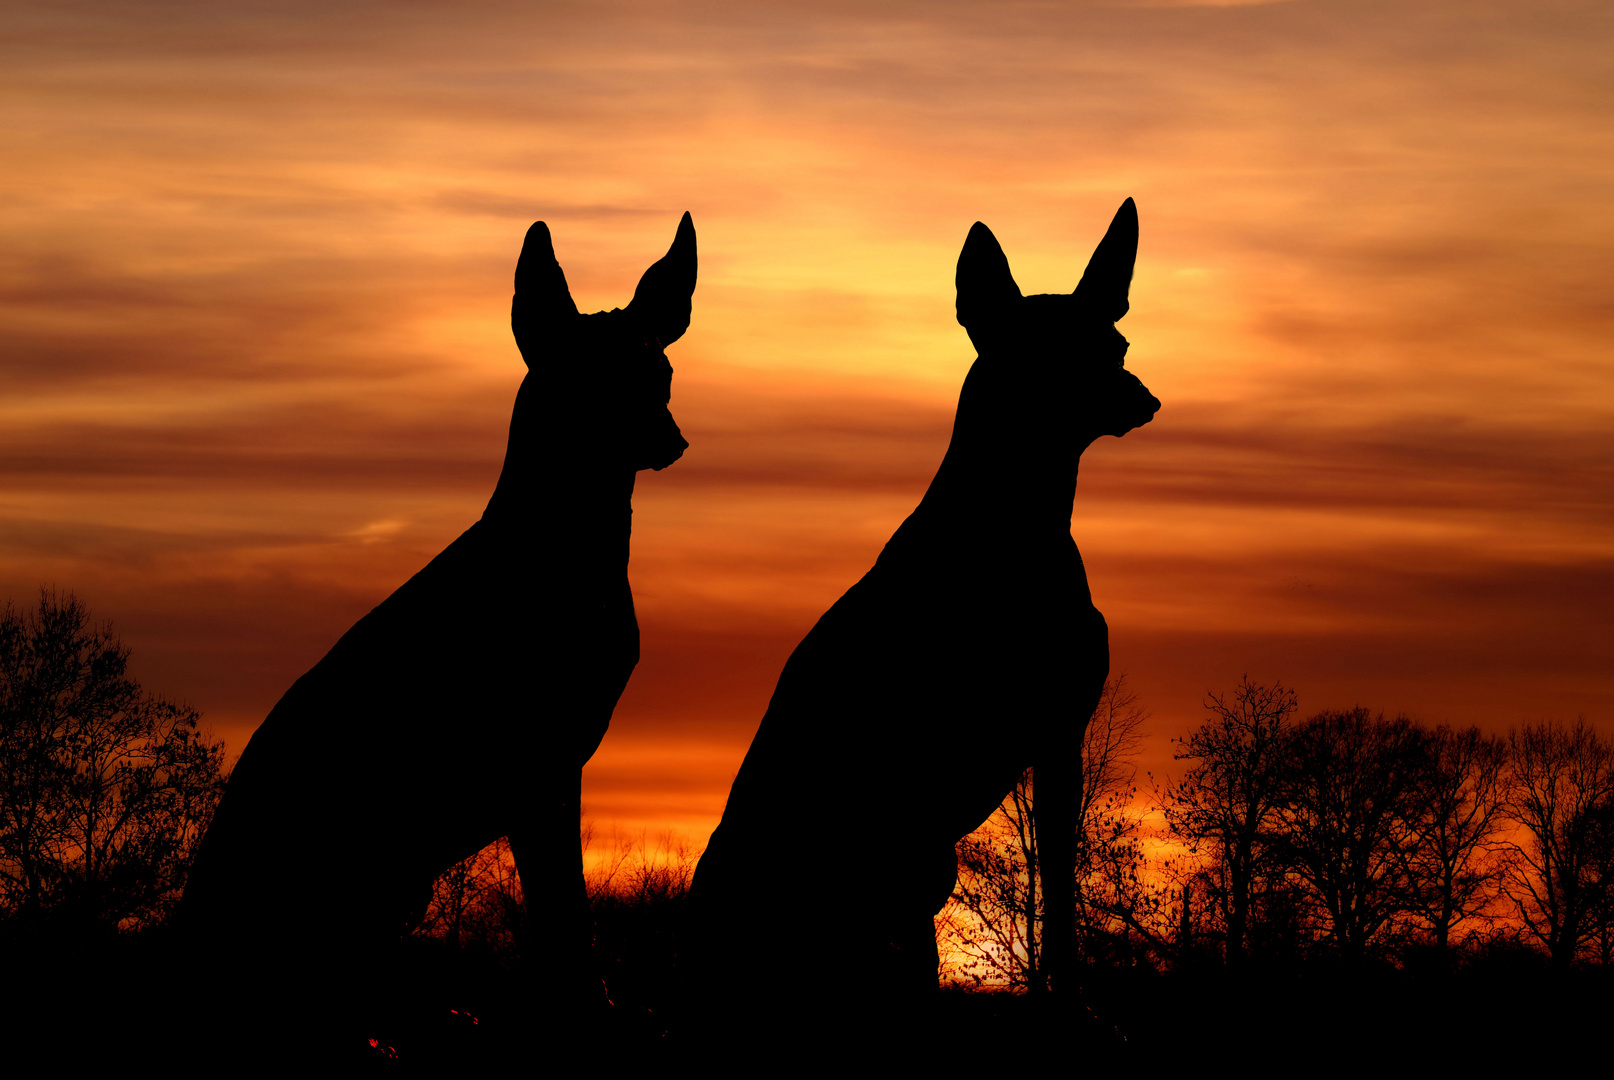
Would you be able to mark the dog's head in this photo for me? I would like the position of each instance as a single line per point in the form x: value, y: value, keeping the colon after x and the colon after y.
x: 1061, y: 352
x: 606, y: 376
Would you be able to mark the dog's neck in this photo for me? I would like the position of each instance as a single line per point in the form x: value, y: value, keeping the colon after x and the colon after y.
x: 563, y: 507
x: 556, y: 494
x: 1004, y: 472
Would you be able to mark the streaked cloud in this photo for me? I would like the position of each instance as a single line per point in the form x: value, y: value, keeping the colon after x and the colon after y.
x: 255, y: 279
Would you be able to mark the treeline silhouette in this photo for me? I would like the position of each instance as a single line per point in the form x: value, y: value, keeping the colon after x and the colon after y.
x: 1306, y: 874
x: 1347, y: 838
x: 1350, y: 880
x: 1319, y: 870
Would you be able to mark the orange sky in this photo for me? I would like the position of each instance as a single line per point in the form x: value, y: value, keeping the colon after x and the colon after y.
x: 255, y: 275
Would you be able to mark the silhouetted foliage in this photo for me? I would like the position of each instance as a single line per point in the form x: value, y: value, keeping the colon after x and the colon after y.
x: 1561, y: 786
x: 104, y: 789
x: 993, y: 922
x: 1351, y: 837
x: 635, y: 885
x: 477, y: 903
x: 639, y: 870
x: 1222, y: 807
x: 1346, y: 823
x: 1454, y: 861
x: 1348, y: 832
x: 1123, y: 908
x: 637, y: 899
x: 1600, y: 873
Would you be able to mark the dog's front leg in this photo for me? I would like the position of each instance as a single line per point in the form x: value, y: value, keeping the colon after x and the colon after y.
x: 556, y: 936
x: 1057, y: 790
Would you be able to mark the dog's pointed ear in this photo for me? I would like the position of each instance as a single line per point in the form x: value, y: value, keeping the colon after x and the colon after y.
x: 985, y: 286
x: 661, y: 302
x: 1108, y: 277
x: 542, y: 299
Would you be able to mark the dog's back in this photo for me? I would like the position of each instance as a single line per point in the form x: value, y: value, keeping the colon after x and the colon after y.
x: 970, y: 651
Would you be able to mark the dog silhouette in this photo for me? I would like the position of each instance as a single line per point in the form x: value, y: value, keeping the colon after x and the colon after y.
x: 970, y: 651
x: 463, y: 707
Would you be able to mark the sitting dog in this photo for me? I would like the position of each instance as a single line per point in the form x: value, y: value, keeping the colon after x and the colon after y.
x: 970, y: 651
x: 464, y: 707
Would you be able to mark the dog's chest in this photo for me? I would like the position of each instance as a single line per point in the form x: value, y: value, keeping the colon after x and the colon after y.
x: 991, y: 627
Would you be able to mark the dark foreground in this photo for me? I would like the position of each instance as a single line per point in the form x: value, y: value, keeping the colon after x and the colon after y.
x: 123, y: 1001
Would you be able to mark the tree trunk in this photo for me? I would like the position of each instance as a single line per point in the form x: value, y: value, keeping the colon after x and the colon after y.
x: 1238, y: 911
x: 1036, y: 976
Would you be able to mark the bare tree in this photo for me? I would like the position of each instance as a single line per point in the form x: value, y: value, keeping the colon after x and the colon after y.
x: 104, y: 789
x: 1453, y: 861
x: 994, y: 922
x: 1129, y: 909
x: 1600, y: 874
x: 477, y: 902
x: 1561, y: 785
x: 1348, y: 821
x: 611, y: 855
x: 644, y: 870
x: 1116, y: 900
x: 1110, y: 745
x: 1222, y: 806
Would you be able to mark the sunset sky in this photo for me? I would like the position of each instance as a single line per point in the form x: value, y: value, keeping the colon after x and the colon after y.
x: 255, y: 273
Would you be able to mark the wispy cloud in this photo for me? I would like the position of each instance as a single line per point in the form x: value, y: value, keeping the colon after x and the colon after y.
x: 256, y: 264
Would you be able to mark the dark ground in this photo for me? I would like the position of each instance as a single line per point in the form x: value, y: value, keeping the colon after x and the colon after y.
x: 124, y: 1001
